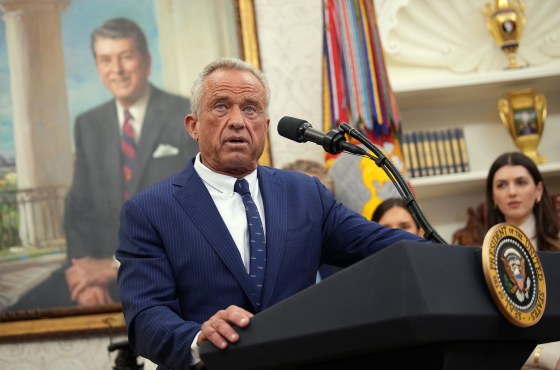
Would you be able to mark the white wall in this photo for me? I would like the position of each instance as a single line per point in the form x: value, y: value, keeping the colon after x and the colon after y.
x: 290, y: 41
x: 87, y: 353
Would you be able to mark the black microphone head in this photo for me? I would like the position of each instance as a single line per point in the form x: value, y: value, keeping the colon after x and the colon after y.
x: 292, y: 128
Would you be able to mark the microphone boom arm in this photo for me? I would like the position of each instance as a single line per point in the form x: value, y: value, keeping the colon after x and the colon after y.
x: 397, y: 179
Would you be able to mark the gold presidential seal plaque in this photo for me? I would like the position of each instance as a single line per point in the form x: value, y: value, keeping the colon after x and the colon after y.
x: 514, y: 274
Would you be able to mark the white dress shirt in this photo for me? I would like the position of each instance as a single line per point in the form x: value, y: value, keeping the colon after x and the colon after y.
x: 230, y: 205
x: 529, y: 228
x: 231, y: 208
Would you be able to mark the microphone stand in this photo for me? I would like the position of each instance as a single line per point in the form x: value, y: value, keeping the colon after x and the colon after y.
x: 395, y: 176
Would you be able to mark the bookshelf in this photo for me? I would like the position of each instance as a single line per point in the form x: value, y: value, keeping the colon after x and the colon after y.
x: 444, y: 84
x: 469, y: 182
x: 445, y: 198
x: 465, y: 89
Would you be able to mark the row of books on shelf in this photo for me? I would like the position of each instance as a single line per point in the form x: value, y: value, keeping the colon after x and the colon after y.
x: 435, y: 152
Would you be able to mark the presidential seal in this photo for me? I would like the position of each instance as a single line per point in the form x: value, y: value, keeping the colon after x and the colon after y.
x: 514, y: 274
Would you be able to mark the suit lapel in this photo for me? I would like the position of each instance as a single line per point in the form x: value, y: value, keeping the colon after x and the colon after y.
x: 154, y: 121
x: 112, y: 157
x: 198, y: 204
x: 273, y: 191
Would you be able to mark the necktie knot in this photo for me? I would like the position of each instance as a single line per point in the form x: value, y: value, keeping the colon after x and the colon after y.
x: 128, y: 130
x: 241, y: 187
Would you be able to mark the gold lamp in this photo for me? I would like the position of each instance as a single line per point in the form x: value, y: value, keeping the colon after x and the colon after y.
x: 505, y: 20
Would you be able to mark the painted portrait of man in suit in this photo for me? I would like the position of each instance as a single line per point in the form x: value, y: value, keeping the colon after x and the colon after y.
x: 125, y: 66
x: 158, y: 148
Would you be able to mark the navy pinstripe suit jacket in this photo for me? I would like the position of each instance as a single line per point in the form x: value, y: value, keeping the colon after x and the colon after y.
x: 179, y: 264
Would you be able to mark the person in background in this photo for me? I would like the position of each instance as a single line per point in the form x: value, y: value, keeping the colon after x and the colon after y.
x: 544, y: 357
x: 122, y: 146
x: 312, y: 168
x: 188, y: 271
x: 393, y: 213
x: 516, y: 193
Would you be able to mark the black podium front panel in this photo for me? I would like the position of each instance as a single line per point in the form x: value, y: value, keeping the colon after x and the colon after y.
x: 412, y: 303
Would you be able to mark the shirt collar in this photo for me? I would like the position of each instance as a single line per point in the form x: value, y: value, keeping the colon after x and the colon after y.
x: 220, y: 182
x: 529, y: 227
x: 138, y: 109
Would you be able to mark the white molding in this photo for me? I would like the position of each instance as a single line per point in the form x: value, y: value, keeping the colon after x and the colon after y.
x: 427, y: 39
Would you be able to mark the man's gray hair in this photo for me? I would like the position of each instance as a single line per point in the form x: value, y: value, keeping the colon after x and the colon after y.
x: 121, y: 28
x: 231, y: 64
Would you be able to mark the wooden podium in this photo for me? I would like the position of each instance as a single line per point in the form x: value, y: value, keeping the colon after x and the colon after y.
x: 412, y: 305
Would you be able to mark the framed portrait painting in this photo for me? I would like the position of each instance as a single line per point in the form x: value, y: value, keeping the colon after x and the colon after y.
x: 62, y: 176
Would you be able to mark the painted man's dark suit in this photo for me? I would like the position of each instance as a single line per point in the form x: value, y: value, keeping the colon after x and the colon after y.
x: 180, y: 265
x: 91, y: 216
x: 94, y: 201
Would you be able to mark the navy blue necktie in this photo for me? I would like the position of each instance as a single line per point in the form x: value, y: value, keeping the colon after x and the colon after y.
x: 257, y: 241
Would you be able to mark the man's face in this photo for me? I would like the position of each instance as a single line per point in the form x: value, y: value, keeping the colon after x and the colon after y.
x: 231, y: 129
x: 122, y: 68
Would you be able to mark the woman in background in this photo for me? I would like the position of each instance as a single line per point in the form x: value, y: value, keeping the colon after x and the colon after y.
x: 393, y: 213
x: 515, y: 193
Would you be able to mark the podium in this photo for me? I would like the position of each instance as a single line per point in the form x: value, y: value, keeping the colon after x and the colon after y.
x: 412, y: 305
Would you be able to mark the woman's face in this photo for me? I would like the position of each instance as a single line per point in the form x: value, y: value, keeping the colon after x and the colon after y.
x: 515, y: 193
x: 399, y: 218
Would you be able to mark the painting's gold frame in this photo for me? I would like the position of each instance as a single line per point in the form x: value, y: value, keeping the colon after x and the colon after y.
x: 250, y: 47
x: 78, y: 321
x: 61, y: 322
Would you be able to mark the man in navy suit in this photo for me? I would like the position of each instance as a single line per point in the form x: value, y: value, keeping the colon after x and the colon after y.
x: 91, y: 215
x: 185, y: 258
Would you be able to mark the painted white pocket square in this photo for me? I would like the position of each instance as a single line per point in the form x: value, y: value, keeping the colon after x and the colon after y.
x: 165, y: 150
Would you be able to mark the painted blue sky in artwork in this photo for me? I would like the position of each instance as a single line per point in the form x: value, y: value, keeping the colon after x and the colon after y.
x: 6, y: 131
x: 84, y: 88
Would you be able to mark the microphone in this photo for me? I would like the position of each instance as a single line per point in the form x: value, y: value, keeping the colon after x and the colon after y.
x: 301, y: 131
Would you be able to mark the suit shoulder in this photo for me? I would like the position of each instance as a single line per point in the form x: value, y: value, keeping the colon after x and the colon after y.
x: 291, y: 178
x: 170, y: 183
x: 161, y: 188
x: 289, y: 174
x: 96, y: 111
x: 170, y: 99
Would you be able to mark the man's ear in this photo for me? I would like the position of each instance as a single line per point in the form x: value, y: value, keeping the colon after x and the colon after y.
x: 191, y: 126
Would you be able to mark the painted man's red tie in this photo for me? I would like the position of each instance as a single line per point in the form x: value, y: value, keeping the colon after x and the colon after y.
x: 128, y: 148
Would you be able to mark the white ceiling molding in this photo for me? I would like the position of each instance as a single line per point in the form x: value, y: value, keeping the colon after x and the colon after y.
x: 450, y: 37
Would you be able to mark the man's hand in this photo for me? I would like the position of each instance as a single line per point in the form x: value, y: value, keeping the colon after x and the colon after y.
x: 93, y: 296
x: 88, y: 272
x: 218, y: 329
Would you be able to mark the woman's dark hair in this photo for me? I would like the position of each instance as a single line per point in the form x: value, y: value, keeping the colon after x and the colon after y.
x: 386, y: 205
x: 545, y: 215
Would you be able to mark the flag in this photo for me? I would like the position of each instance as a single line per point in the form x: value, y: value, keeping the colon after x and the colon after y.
x: 356, y: 90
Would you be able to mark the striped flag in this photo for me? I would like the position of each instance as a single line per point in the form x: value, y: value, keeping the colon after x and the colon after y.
x: 357, y: 90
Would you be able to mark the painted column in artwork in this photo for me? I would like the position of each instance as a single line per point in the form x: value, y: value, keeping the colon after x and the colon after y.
x: 42, y: 135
